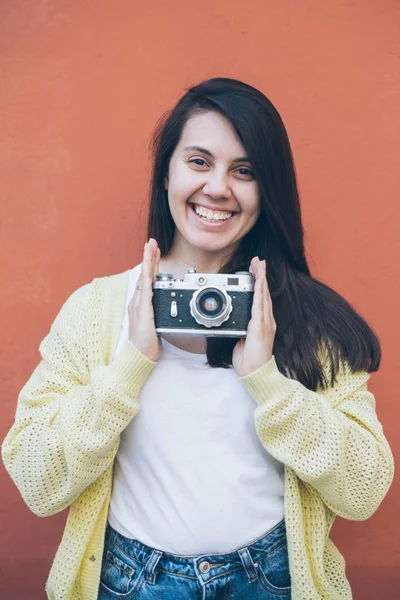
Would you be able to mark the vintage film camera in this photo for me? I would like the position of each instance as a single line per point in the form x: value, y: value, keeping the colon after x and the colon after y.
x: 209, y: 304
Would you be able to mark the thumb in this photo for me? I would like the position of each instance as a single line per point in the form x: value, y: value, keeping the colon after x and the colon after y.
x: 240, y: 343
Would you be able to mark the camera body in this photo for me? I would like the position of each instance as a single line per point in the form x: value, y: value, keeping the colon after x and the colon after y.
x: 207, y: 304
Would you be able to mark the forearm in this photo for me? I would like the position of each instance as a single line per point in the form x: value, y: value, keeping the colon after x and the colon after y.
x: 341, y: 451
x: 62, y: 442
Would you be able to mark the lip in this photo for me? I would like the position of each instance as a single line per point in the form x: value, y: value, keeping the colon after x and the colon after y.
x: 213, y: 208
x: 207, y: 224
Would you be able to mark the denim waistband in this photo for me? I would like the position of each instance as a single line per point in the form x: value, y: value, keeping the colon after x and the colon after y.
x: 193, y: 565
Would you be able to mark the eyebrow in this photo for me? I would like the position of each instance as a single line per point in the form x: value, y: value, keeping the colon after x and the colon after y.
x: 208, y: 153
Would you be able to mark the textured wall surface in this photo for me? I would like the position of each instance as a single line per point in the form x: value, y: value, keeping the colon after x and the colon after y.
x: 82, y: 85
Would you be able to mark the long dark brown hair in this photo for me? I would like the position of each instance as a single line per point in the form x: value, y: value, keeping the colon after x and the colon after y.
x: 308, y: 313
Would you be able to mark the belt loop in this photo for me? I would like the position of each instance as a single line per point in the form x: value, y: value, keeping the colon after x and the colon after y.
x: 151, y: 565
x: 248, y: 564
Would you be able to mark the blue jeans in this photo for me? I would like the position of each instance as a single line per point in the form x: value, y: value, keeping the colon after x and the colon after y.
x: 259, y: 571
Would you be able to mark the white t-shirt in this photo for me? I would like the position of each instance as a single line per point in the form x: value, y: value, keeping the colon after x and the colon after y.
x: 191, y: 475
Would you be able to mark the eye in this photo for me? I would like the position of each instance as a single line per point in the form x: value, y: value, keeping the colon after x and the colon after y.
x: 248, y: 171
x: 198, y: 159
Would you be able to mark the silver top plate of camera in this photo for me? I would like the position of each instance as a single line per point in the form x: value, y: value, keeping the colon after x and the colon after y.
x: 241, y: 281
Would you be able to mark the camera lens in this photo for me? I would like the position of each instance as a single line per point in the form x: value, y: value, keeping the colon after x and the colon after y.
x: 210, y: 302
x: 210, y: 306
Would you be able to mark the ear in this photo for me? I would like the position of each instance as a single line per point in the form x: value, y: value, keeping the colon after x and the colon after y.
x: 166, y: 182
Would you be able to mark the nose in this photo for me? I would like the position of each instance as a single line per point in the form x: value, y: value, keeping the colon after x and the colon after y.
x: 217, y: 185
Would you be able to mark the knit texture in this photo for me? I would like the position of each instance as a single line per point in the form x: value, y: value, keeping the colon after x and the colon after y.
x: 72, y: 410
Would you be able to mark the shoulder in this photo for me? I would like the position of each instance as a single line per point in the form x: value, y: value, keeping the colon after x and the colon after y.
x: 92, y: 312
x: 90, y: 297
x: 115, y: 289
x: 104, y: 284
x: 115, y: 280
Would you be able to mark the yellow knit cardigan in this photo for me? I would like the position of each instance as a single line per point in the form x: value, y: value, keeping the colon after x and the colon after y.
x: 72, y: 410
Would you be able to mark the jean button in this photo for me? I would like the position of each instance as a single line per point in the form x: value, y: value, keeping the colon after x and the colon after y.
x: 204, y: 566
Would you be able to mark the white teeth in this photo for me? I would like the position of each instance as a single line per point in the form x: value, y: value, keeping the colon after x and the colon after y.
x: 210, y: 215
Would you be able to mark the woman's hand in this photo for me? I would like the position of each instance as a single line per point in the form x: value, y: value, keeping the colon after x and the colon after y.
x: 142, y: 331
x: 255, y: 350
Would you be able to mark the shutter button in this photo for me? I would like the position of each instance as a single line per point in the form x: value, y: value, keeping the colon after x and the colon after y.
x: 204, y: 566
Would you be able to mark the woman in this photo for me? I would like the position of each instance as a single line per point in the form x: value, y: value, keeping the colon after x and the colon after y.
x: 228, y: 480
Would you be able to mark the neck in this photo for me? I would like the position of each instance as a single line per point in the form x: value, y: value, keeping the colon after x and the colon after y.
x: 182, y: 256
x: 180, y: 267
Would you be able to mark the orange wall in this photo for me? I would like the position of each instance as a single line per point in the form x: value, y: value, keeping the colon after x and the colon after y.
x: 82, y: 85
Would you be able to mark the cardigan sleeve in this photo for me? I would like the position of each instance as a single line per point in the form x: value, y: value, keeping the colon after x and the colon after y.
x: 332, y: 440
x: 69, y: 416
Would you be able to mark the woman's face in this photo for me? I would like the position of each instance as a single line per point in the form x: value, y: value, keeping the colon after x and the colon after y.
x: 216, y: 175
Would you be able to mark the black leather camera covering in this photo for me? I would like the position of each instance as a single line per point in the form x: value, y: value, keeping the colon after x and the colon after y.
x: 241, y: 311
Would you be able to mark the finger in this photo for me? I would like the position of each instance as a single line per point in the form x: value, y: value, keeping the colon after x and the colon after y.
x: 138, y: 290
x: 139, y: 282
x: 269, y: 309
x: 265, y: 295
x: 257, y: 309
x: 135, y: 300
x: 264, y: 308
x: 268, y: 295
x: 146, y: 284
x: 154, y: 259
x: 271, y: 314
x: 253, y: 263
x: 267, y: 312
x: 156, y: 263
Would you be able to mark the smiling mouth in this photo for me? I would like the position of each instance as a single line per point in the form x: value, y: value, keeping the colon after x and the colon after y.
x: 204, y: 218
